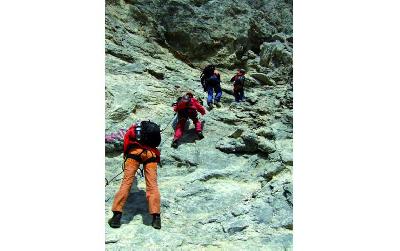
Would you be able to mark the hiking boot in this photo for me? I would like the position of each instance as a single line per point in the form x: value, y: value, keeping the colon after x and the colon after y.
x: 210, y: 106
x: 156, y: 221
x: 115, y: 221
x: 200, y: 134
x: 218, y: 104
x: 174, y: 144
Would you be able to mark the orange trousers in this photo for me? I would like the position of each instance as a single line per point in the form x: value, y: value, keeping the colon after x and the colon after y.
x: 150, y: 172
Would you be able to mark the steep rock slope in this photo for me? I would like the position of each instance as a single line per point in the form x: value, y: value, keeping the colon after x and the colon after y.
x: 232, y: 189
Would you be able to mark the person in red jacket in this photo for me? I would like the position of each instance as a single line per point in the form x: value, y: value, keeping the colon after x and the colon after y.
x: 140, y: 147
x: 187, y: 107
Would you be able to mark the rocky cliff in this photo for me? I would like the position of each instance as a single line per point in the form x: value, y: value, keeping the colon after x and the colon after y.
x: 233, y: 189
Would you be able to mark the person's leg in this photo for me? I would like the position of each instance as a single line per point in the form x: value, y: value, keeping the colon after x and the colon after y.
x: 152, y: 192
x: 210, y: 91
x: 131, y: 167
x: 236, y: 95
x: 241, y: 95
x: 218, y: 93
x: 180, y: 127
x: 197, y: 124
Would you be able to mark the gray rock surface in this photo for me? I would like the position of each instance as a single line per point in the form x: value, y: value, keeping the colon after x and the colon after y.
x: 231, y: 190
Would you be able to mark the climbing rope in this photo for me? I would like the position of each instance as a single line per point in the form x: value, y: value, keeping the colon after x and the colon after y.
x: 123, y: 169
x: 109, y: 181
x: 173, y: 118
x: 168, y: 124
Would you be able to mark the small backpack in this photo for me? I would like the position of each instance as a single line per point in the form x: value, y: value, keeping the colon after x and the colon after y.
x: 148, y: 133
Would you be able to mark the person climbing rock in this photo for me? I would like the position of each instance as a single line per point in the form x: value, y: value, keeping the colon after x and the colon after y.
x: 140, y: 147
x: 238, y: 85
x: 211, y: 81
x: 187, y: 107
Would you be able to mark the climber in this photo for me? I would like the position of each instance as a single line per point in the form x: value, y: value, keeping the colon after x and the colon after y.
x: 140, y: 147
x: 187, y: 107
x: 211, y: 81
x: 238, y: 85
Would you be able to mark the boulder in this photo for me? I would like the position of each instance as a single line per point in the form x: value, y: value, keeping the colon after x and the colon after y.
x: 275, y: 53
x: 263, y: 78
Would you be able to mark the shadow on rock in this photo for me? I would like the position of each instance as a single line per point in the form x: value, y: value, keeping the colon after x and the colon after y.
x: 112, y: 153
x: 190, y: 136
x: 136, y: 204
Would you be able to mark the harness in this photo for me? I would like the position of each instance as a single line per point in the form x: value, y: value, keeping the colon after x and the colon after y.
x: 138, y: 158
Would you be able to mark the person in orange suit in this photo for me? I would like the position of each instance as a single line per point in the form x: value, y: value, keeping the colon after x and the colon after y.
x: 139, y: 151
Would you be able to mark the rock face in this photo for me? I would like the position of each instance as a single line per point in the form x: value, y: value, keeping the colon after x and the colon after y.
x: 233, y: 189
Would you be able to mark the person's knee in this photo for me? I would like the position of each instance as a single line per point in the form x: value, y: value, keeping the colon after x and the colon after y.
x: 152, y: 191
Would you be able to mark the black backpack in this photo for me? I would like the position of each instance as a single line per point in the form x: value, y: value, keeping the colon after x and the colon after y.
x: 208, y: 71
x: 148, y: 133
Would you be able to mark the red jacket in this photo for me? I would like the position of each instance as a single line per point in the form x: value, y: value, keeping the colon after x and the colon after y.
x: 130, y: 141
x: 194, y: 104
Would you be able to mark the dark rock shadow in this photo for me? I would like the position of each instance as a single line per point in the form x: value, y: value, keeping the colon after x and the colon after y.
x: 190, y: 136
x: 136, y: 204
x: 113, y: 153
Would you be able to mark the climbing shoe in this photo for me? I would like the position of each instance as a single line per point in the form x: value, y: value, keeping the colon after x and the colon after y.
x: 156, y: 221
x: 174, y: 144
x: 115, y: 221
x: 200, y: 134
x: 218, y: 104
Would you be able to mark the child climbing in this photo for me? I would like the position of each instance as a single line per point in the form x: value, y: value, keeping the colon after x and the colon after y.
x: 238, y: 85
